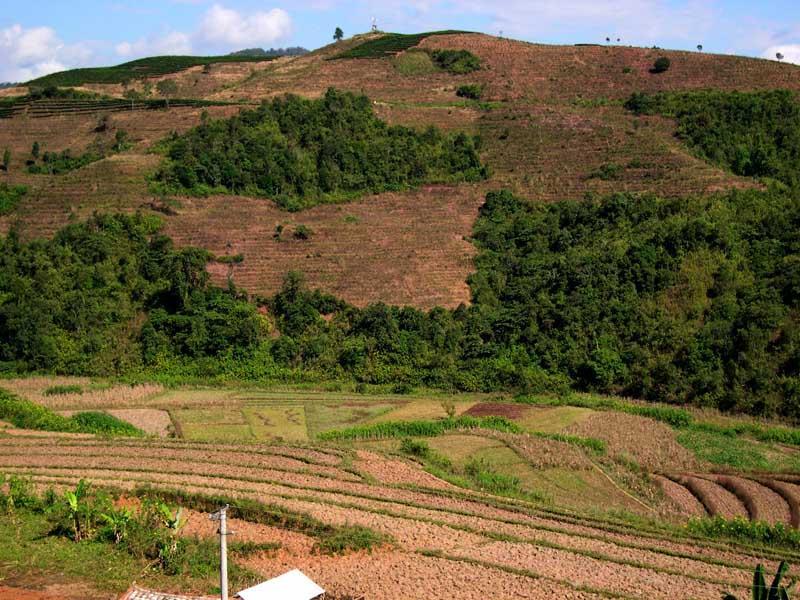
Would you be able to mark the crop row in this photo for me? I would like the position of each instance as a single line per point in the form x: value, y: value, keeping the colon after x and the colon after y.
x: 437, y: 501
x: 601, y: 566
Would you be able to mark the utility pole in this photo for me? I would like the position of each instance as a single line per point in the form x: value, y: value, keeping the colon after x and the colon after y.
x: 222, y: 516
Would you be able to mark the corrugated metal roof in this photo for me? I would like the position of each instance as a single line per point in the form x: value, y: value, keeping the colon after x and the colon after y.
x: 293, y: 585
x: 137, y: 593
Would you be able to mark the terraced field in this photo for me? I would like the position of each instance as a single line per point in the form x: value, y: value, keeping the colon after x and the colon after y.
x: 469, y: 544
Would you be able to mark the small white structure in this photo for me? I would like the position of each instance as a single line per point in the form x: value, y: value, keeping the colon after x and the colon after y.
x: 293, y: 585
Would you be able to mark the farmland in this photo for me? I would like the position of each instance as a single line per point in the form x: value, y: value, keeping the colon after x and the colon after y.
x: 259, y: 444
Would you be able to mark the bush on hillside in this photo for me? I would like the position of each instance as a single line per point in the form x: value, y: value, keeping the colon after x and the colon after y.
x: 473, y: 91
x: 661, y: 65
x: 10, y: 196
x: 457, y: 62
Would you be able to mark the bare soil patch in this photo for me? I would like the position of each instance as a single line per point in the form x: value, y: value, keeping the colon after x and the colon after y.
x: 683, y: 499
x: 395, y: 471
x: 508, y: 410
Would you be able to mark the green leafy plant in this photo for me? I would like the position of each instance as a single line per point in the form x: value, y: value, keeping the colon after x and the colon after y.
x: 473, y: 91
x: 457, y: 62
x: 10, y: 196
x: 775, y: 591
x: 414, y: 447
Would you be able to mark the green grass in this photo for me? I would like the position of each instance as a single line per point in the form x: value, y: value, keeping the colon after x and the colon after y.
x: 349, y: 538
x: 10, y: 196
x: 390, y: 44
x: 414, y: 64
x: 395, y: 429
x: 137, y: 69
x: 28, y: 553
x: 730, y: 450
x: 740, y: 529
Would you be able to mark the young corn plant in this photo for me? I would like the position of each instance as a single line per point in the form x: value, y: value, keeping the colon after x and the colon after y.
x: 776, y: 591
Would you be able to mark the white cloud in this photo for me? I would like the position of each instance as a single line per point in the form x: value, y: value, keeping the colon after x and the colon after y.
x: 221, y: 29
x: 224, y: 26
x: 29, y: 53
x: 791, y: 53
x: 173, y: 42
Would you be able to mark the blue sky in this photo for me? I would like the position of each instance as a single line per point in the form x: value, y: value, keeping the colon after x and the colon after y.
x: 48, y: 35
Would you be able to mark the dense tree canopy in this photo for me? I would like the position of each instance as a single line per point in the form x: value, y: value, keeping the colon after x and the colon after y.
x: 755, y: 134
x: 101, y: 296
x: 301, y: 152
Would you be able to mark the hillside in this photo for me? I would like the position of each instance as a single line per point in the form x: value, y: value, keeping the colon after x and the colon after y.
x: 551, y: 117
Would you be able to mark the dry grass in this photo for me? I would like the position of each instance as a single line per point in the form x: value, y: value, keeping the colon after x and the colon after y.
x: 649, y: 443
x: 94, y: 396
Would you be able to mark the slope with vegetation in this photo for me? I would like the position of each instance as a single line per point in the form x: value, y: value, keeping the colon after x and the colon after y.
x: 137, y: 69
x: 300, y: 152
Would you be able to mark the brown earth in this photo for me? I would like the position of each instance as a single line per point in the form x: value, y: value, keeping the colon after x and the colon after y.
x: 564, y: 549
x: 498, y: 409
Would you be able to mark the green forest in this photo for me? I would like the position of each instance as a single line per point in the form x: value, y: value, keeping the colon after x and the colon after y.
x: 302, y: 152
x: 754, y: 134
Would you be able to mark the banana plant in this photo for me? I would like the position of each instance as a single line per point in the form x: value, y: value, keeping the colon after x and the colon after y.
x: 117, y: 522
x: 77, y: 509
x: 774, y: 592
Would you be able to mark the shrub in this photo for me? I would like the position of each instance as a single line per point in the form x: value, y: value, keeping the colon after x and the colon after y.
x: 103, y: 423
x: 414, y: 447
x: 402, y: 388
x: 28, y: 415
x: 10, y: 196
x: 302, y: 232
x: 348, y: 538
x: 661, y: 64
x: 473, y: 91
x: 57, y: 390
x: 489, y: 480
x: 457, y: 62
x: 744, y: 530
x: 607, y: 172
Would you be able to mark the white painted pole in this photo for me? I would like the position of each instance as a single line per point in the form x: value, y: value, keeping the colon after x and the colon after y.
x: 223, y: 549
x: 222, y: 516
